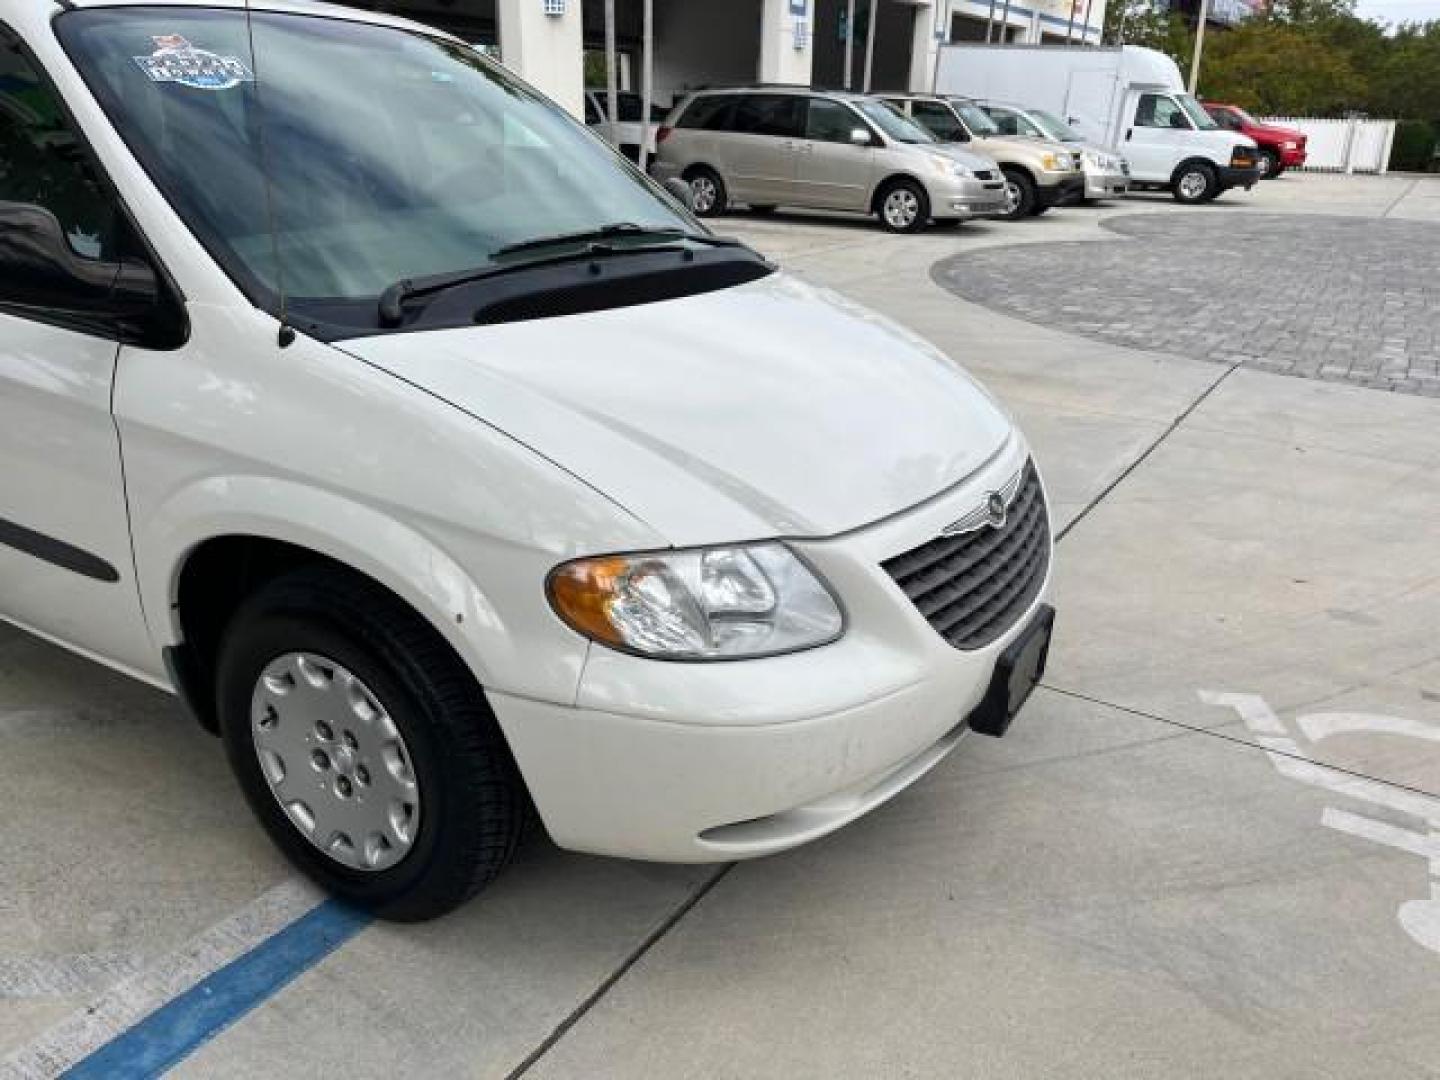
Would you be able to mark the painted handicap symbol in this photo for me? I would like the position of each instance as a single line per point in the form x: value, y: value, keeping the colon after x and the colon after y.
x: 1418, y: 918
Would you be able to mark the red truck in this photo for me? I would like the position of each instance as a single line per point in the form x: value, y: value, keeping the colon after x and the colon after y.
x: 1280, y: 147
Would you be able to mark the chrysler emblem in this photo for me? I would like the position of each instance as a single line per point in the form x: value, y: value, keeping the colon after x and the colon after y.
x: 995, y: 506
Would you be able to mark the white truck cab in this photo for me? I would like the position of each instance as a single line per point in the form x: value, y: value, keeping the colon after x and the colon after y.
x: 443, y: 464
x: 1126, y: 98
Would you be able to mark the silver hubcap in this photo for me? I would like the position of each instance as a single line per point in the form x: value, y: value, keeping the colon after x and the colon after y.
x: 1264, y: 164
x: 1012, y: 196
x: 335, y: 761
x: 1192, y: 185
x: 702, y: 191
x: 901, y: 208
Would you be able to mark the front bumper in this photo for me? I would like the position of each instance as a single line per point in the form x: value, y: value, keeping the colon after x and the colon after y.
x: 1231, y: 176
x: 1293, y: 159
x: 1105, y: 183
x: 1069, y: 189
x: 706, y: 762
x: 963, y: 200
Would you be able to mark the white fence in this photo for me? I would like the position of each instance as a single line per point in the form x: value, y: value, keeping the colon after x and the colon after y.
x: 1349, y: 146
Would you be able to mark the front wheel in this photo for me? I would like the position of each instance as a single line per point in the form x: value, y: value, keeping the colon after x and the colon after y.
x: 1269, y: 162
x: 365, y: 746
x: 904, y: 207
x: 1196, y: 183
x: 707, y: 191
x: 1020, y: 196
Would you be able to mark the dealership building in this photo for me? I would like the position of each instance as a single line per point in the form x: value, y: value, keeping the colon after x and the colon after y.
x: 553, y: 43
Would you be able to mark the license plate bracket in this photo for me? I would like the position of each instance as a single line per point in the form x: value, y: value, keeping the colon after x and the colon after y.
x: 1019, y: 669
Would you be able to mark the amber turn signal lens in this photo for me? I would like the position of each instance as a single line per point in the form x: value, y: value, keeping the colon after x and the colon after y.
x: 581, y: 593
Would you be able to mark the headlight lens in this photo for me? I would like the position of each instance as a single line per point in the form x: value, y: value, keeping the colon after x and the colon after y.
x: 944, y: 164
x: 717, y: 603
x: 1057, y: 162
x: 1287, y: 146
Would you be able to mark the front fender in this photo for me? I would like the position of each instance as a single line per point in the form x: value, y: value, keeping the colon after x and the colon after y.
x: 502, y: 651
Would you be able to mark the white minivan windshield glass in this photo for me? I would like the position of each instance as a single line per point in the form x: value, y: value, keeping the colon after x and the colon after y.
x: 1198, y: 116
x: 390, y: 154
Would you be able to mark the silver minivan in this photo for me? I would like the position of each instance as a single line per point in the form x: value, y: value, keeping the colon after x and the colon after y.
x: 785, y: 146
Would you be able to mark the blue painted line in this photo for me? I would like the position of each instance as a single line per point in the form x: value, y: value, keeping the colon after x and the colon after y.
x: 180, y: 1027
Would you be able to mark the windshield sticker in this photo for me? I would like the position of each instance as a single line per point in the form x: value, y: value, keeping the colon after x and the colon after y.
x: 175, y: 60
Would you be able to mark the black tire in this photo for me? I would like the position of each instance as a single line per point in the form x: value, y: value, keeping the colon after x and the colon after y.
x: 1270, y: 166
x: 1039, y: 208
x: 907, y: 193
x: 713, y: 198
x: 1020, y: 191
x: 1195, y: 182
x: 763, y: 209
x: 473, y: 804
x: 1279, y: 172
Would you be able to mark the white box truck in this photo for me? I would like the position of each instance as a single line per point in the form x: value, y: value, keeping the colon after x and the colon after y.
x: 1127, y: 98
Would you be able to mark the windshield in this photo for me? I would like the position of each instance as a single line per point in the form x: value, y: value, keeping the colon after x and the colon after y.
x: 976, y: 119
x: 893, y: 122
x: 1053, y: 126
x: 1198, y: 116
x: 391, y: 155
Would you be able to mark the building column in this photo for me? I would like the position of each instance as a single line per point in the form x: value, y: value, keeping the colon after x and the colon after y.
x: 787, y: 52
x: 924, y: 46
x: 547, y: 51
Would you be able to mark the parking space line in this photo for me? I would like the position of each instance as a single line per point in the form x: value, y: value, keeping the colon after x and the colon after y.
x: 130, y: 1002
x: 175, y: 1030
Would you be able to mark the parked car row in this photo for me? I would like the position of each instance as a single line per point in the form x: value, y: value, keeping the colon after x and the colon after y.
x: 1018, y: 130
x: 909, y: 160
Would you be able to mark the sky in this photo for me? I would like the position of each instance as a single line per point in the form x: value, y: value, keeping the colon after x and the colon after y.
x: 1397, y: 11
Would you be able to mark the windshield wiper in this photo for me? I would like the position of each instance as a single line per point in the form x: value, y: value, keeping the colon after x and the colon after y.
x: 614, y: 231
x: 392, y: 300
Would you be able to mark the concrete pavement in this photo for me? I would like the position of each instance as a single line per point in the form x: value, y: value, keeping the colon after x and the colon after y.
x: 1138, y: 881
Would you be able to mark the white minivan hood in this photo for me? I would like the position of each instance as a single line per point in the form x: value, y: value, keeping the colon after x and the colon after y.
x: 768, y: 409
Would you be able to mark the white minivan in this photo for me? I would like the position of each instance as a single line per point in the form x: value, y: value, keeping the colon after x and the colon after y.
x: 444, y: 465
x: 1126, y: 98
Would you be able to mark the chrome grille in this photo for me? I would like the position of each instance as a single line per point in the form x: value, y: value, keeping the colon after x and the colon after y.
x: 974, y: 585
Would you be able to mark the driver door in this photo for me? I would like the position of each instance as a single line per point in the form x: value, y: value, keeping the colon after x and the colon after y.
x: 1158, y: 138
x: 65, y: 561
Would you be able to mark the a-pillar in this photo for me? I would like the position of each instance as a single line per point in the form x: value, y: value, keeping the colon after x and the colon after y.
x: 546, y: 50
x: 924, y: 45
x: 787, y: 52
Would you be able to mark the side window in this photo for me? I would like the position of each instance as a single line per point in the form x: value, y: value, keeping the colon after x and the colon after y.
x: 940, y: 121
x: 708, y: 113
x: 1226, y: 119
x: 829, y: 121
x: 43, y: 161
x: 1007, y: 121
x: 768, y: 114
x: 1159, y: 111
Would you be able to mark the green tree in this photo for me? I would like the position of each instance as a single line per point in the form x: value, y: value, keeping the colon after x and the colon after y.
x: 1280, y: 69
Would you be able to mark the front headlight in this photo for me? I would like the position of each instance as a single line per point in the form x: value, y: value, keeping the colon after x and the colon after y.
x: 945, y: 165
x: 1056, y: 162
x: 720, y: 603
x: 1287, y: 146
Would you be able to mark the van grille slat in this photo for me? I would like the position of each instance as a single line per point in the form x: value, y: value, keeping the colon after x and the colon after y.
x: 973, y: 587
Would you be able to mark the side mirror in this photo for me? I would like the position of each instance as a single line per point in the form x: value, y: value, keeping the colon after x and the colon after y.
x: 39, y: 269
x: 861, y: 137
x: 681, y: 193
